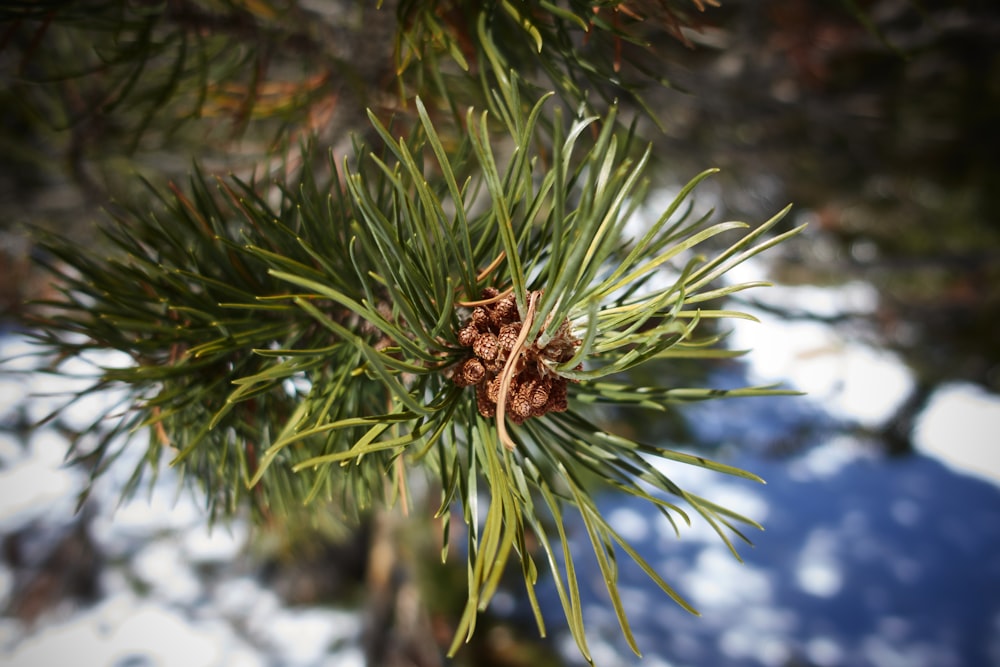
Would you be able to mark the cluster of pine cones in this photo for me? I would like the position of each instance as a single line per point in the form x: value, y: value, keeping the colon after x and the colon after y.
x: 492, y: 333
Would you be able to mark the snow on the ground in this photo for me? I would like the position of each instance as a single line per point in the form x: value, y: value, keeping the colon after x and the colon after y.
x: 863, y: 562
x: 961, y: 426
x: 856, y: 381
x: 158, y: 543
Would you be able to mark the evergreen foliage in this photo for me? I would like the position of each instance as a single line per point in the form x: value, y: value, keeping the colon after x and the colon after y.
x: 453, y: 299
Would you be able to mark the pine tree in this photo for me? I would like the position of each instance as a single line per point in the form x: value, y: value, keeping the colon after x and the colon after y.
x: 450, y: 295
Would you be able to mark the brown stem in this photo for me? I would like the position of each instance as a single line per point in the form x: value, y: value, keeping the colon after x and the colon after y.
x: 508, y: 374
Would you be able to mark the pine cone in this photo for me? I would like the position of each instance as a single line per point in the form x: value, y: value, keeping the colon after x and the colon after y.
x: 492, y: 333
x: 470, y: 372
x: 467, y: 335
x: 486, y: 347
x: 507, y: 337
x: 505, y: 311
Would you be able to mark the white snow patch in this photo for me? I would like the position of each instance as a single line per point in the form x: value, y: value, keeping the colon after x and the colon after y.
x: 850, y: 379
x: 827, y: 459
x: 122, y: 628
x: 818, y: 572
x: 220, y: 543
x: 961, y: 426
x: 303, y: 637
x: 162, y: 567
x: 630, y: 524
x: 718, y: 581
x: 37, y: 484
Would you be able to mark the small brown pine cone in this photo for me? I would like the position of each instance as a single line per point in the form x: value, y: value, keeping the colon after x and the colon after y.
x: 520, y: 403
x: 493, y: 389
x: 486, y: 407
x: 469, y: 372
x: 485, y: 347
x: 467, y: 335
x: 538, y: 395
x: 505, y: 311
x: 481, y: 318
x: 557, y: 397
x: 490, y: 292
x: 508, y: 337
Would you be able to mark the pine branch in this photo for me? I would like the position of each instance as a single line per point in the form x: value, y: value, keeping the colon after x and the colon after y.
x: 300, y: 351
x: 450, y: 301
